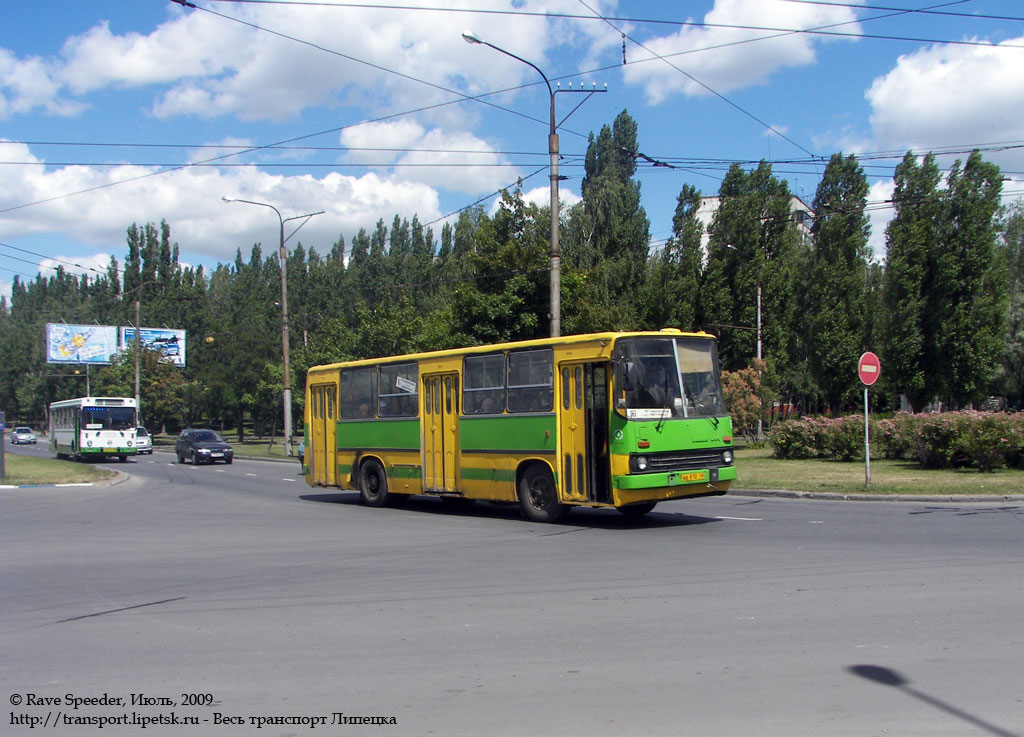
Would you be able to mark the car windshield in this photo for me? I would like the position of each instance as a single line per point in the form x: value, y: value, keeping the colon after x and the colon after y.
x: 141, y: 432
x: 208, y: 436
x: 663, y: 378
x: 23, y: 429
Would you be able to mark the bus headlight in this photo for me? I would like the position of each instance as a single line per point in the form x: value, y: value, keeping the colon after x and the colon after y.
x: 727, y: 457
x: 89, y: 443
x: 639, y: 463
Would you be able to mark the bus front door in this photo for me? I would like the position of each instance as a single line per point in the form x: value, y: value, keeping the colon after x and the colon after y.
x: 440, y: 432
x: 320, y: 456
x: 583, y: 432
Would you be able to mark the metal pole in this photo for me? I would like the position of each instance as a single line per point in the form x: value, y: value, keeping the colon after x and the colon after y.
x: 556, y: 259
x: 283, y: 256
x: 867, y: 443
x: 138, y: 350
x: 286, y: 398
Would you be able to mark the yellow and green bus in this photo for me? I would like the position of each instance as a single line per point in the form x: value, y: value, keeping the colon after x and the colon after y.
x: 621, y: 420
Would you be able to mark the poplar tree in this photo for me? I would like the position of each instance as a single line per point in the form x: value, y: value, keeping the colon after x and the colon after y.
x: 968, y: 304
x: 673, y: 284
x: 836, y: 295
x: 913, y: 234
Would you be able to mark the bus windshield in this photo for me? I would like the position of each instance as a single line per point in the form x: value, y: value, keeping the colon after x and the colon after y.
x: 667, y: 378
x: 108, y: 418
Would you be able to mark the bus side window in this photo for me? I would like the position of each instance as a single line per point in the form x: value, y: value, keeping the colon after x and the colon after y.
x: 484, y: 384
x: 530, y: 380
x: 359, y: 392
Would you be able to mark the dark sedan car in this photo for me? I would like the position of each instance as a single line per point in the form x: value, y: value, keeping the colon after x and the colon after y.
x: 202, y: 446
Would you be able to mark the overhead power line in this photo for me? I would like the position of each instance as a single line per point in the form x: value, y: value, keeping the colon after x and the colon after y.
x: 661, y: 21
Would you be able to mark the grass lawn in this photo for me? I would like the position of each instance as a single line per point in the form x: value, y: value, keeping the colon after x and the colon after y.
x: 24, y: 470
x: 757, y: 469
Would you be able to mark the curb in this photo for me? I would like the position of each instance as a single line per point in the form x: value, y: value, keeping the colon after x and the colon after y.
x: 119, y: 478
x: 836, y: 496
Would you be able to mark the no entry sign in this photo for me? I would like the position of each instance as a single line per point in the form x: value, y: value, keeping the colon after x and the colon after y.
x: 868, y: 368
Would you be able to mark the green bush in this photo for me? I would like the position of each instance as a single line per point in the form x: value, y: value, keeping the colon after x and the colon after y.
x: 844, y: 438
x: 802, y: 438
x: 982, y: 440
x: 894, y: 437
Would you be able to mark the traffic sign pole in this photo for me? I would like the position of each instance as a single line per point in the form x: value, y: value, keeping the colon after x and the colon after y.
x: 867, y: 443
x: 868, y: 369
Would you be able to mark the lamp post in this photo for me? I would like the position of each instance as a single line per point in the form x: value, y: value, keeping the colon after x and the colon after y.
x: 556, y: 259
x: 283, y: 257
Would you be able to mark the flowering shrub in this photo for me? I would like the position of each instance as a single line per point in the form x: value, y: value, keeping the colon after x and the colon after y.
x: 793, y: 440
x: 894, y: 437
x: 982, y: 440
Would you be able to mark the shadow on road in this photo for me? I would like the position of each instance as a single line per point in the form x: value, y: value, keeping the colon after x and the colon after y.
x: 888, y: 677
x: 607, y: 519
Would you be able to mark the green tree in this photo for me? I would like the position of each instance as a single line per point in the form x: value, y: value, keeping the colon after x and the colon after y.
x: 752, y: 254
x: 609, y: 240
x: 911, y: 236
x: 968, y: 306
x: 836, y: 304
x: 673, y: 295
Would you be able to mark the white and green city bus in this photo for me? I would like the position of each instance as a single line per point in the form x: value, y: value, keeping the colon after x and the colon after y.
x: 93, y: 427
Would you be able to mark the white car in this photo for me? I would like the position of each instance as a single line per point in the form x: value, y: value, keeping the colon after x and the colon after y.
x: 143, y: 440
x: 23, y: 435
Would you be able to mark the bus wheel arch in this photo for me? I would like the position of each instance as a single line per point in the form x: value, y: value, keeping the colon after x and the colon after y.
x: 373, y: 483
x: 637, y: 509
x: 538, y: 494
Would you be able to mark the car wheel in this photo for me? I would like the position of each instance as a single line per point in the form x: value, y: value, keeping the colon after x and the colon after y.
x: 228, y: 460
x: 195, y: 461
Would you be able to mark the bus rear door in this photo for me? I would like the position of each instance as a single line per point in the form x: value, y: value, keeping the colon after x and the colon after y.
x: 322, y: 431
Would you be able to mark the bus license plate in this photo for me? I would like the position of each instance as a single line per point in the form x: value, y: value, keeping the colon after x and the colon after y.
x: 110, y: 450
x: 682, y: 478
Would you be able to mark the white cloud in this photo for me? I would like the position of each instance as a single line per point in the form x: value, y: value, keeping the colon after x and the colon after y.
x: 430, y: 156
x: 28, y: 84
x: 952, y: 95
x: 730, y: 62
x: 190, y: 199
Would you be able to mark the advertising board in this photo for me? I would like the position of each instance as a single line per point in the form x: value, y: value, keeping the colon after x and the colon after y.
x: 91, y: 344
x: 169, y: 342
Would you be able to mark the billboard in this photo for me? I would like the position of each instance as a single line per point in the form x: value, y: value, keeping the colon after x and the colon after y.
x: 93, y: 344
x: 169, y: 342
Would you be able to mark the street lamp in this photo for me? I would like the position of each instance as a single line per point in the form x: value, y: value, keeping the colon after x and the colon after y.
x: 283, y: 257
x: 556, y: 261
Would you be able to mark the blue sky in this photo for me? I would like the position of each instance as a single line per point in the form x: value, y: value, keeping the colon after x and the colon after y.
x: 113, y: 113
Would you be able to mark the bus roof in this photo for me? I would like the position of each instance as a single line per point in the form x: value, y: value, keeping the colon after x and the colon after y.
x: 492, y: 347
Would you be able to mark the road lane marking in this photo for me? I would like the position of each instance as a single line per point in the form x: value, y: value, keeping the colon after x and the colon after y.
x: 742, y: 519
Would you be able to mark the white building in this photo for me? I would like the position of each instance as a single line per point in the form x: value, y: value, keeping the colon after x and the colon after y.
x: 801, y: 215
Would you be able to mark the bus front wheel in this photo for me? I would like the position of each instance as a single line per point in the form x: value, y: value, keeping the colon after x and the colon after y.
x: 538, y: 495
x: 373, y: 484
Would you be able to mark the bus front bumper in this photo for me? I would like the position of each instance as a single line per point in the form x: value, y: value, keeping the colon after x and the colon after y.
x: 674, y: 478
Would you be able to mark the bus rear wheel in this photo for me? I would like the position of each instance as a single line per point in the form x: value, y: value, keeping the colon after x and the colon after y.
x: 538, y: 495
x: 373, y: 484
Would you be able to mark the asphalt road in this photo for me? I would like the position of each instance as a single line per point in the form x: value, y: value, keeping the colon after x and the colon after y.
x: 724, y: 617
